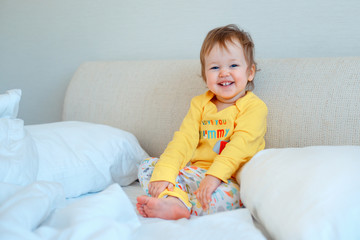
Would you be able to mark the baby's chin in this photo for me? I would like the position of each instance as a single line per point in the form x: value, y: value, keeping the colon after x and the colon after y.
x: 230, y: 98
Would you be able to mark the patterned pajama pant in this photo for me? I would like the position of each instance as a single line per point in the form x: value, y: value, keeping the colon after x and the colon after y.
x: 226, y: 197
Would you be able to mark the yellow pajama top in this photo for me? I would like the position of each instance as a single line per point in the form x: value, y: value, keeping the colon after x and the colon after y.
x: 243, y: 125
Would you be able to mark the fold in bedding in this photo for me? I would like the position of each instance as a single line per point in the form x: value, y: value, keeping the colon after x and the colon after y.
x: 40, y: 211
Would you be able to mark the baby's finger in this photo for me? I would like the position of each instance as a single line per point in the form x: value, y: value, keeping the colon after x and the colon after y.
x: 197, y: 194
x: 204, y: 205
x: 151, y: 190
x: 158, y: 191
x: 203, y: 200
x: 208, y: 196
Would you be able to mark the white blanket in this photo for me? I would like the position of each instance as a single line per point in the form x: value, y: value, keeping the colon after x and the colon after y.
x: 40, y: 211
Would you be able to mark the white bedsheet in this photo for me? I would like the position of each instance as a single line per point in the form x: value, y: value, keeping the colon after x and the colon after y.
x: 40, y: 211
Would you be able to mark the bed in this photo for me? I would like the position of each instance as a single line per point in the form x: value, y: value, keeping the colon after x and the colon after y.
x: 77, y: 178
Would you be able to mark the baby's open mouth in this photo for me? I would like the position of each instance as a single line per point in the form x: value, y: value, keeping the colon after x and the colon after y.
x: 225, y: 83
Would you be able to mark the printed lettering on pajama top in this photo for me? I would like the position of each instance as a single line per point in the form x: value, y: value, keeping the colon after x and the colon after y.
x: 214, y: 129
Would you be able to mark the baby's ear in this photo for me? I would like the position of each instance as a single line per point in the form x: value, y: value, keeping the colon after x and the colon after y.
x: 251, y: 72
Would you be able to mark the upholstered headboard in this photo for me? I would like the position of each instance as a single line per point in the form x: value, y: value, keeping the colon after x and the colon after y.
x: 311, y: 101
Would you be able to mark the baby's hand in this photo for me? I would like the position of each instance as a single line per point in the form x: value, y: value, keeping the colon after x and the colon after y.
x: 207, y: 186
x: 155, y: 188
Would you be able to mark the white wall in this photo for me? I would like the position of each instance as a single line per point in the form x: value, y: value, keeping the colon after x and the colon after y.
x: 42, y: 42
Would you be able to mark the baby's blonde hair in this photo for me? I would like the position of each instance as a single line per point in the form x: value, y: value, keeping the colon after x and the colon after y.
x: 223, y: 35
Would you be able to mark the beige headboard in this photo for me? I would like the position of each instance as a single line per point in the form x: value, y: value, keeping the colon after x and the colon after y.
x: 311, y: 101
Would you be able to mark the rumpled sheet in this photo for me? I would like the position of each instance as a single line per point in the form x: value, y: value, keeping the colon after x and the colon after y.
x: 40, y: 211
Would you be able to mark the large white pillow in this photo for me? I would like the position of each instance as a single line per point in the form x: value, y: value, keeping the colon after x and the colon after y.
x: 18, y: 154
x: 305, y: 193
x: 9, y: 103
x: 86, y: 157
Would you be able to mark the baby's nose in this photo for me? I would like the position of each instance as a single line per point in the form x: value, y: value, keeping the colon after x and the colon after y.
x: 224, y: 72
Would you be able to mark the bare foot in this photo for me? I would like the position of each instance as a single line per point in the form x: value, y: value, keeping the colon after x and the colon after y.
x: 170, y: 208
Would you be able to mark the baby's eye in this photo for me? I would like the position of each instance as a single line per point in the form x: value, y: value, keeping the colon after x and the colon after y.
x: 214, y: 68
x: 234, y: 65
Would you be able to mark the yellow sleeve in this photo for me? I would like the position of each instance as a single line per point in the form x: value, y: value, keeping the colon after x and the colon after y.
x: 180, y: 150
x: 246, y: 141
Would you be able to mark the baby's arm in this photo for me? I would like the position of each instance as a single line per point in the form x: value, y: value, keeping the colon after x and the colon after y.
x: 246, y: 140
x: 207, y: 186
x: 180, y: 150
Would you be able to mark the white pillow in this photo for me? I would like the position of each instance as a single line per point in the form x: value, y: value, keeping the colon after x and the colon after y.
x: 18, y: 154
x: 9, y: 103
x: 305, y: 193
x: 86, y: 157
